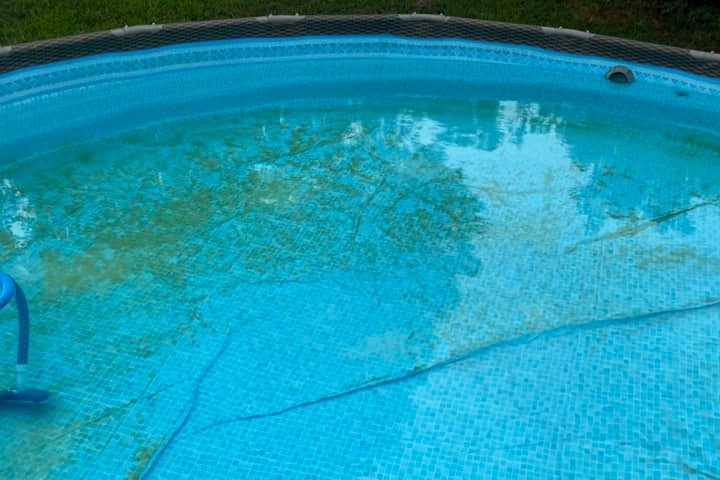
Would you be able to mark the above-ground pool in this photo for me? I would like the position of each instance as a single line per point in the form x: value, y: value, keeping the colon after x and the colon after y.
x: 362, y: 257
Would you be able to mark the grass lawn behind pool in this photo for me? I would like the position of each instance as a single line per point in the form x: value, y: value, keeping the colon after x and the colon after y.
x: 685, y: 23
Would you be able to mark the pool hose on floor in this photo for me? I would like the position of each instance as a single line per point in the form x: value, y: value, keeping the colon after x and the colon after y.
x: 19, y: 393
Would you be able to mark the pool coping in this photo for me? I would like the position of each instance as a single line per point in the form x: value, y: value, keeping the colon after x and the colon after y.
x: 409, y: 25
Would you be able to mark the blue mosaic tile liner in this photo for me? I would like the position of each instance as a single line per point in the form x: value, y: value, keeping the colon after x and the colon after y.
x: 601, y: 403
x: 336, y: 284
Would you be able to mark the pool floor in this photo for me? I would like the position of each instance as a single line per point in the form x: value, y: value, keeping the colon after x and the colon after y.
x: 494, y: 289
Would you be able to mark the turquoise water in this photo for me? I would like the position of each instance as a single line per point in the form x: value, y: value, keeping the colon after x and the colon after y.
x: 366, y: 257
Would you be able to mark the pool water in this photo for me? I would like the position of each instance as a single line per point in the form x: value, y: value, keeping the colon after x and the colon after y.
x: 397, y: 272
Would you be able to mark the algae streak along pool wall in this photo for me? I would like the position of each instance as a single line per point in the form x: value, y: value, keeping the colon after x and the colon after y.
x: 322, y: 256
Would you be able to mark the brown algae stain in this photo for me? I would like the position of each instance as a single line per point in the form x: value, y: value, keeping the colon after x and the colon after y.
x: 300, y: 216
x: 33, y: 451
x: 142, y: 457
x: 662, y: 256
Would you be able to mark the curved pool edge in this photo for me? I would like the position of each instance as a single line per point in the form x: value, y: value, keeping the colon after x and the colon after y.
x: 53, y: 100
x: 422, y: 26
x: 199, y: 389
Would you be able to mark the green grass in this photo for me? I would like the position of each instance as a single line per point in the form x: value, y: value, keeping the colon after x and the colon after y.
x: 685, y: 23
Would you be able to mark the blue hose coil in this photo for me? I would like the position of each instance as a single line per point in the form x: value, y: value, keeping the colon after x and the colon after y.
x: 9, y: 289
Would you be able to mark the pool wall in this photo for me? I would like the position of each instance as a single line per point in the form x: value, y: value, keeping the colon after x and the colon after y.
x: 420, y: 25
x: 66, y: 101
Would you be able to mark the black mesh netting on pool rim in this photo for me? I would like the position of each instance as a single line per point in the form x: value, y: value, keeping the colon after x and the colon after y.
x: 412, y: 25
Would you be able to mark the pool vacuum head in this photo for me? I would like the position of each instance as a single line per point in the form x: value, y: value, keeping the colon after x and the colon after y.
x: 19, y: 393
x: 27, y: 395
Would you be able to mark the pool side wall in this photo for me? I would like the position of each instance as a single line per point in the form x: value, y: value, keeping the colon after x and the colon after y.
x: 426, y: 26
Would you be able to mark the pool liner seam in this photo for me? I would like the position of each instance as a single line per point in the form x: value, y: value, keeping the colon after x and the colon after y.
x: 630, y: 230
x: 463, y: 356
x: 190, y: 409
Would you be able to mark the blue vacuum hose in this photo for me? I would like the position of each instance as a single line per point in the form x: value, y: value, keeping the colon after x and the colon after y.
x: 9, y: 289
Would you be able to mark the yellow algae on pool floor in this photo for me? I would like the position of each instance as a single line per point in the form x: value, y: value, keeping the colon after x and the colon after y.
x: 362, y: 245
